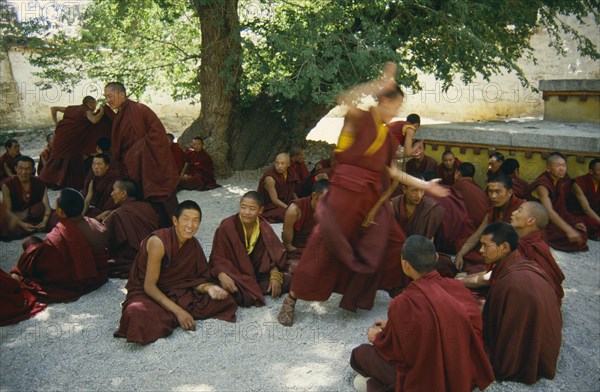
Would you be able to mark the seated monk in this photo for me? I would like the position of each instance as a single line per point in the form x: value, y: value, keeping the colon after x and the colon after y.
x: 8, y: 160
x: 45, y: 154
x: 247, y: 256
x: 170, y: 283
x: 277, y: 187
x: 420, y: 163
x: 102, y: 147
x: 495, y: 162
x: 404, y: 132
x: 26, y: 197
x: 98, y: 200
x: 177, y: 152
x: 510, y: 168
x: 322, y: 171
x: 413, y: 350
x: 522, y: 320
x: 417, y: 213
x: 552, y: 188
x: 447, y: 169
x: 584, y: 201
x: 503, y: 204
x: 198, y: 172
x: 298, y: 166
x: 476, y: 200
x: 127, y: 225
x: 71, y: 260
x: 300, y: 218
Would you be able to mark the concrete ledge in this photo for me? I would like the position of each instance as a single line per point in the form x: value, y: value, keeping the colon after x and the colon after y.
x: 570, y: 85
x: 545, y: 135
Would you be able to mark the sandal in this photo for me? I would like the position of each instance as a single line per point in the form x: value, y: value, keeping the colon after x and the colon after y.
x: 286, y: 314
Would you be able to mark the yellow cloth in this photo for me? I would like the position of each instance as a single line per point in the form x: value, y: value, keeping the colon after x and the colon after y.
x: 253, y: 238
x: 285, y: 175
x: 382, y: 131
x: 346, y: 139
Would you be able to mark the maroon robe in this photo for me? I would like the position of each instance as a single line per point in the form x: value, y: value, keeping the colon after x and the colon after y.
x: 69, y: 262
x: 522, y: 321
x: 476, y: 200
x: 11, y: 162
x: 520, y: 188
x: 202, y: 171
x: 44, y: 156
x: 559, y: 194
x: 251, y: 272
x: 457, y: 226
x: 285, y: 188
x: 17, y: 303
x: 533, y: 247
x: 417, y: 169
x: 102, y: 187
x: 341, y: 256
x: 447, y: 176
x: 304, y: 225
x: 425, y: 220
x: 182, y: 270
x: 432, y: 339
x: 396, y: 129
x: 301, y: 173
x: 33, y: 205
x: 591, y: 191
x: 140, y: 150
x: 127, y: 226
x: 178, y: 156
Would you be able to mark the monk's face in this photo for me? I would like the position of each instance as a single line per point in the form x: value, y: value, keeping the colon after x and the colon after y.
x: 249, y: 210
x: 498, y: 194
x: 197, y: 145
x: 14, y: 150
x: 494, y: 164
x: 118, y: 195
x: 281, y: 164
x: 114, y: 98
x: 91, y: 105
x: 419, y: 151
x: 595, y: 172
x: 490, y: 251
x: 187, y: 224
x: 24, y: 171
x: 298, y: 158
x: 448, y: 161
x: 557, y: 168
x: 414, y: 195
x: 99, y: 167
x: 521, y: 217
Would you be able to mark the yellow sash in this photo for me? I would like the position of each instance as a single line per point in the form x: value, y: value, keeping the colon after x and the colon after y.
x: 347, y: 138
x: 253, y: 238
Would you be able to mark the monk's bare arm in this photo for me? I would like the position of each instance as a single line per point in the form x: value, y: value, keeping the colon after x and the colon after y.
x: 432, y: 186
x: 353, y: 95
x: 28, y: 227
x: 583, y: 202
x: 54, y: 110
x: 270, y: 187
x: 408, y: 141
x: 156, y: 252
x: 47, y: 212
x: 471, y: 243
x: 88, y: 197
x: 544, y: 198
x: 292, y: 214
x: 183, y: 170
x: 95, y: 118
x: 476, y: 280
x: 7, y: 170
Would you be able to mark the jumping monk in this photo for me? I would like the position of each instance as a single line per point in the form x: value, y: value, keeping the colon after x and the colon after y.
x: 420, y: 163
x: 510, y: 168
x: 98, y: 200
x: 8, y: 160
x: 404, y: 132
x: 140, y: 151
x: 71, y: 260
x: 247, y: 256
x: 414, y: 350
x: 522, y: 321
x: 277, y: 187
x: 552, y: 188
x: 177, y: 152
x: 495, y: 161
x: 476, y: 200
x: 447, y: 169
x: 300, y: 219
x: 75, y: 136
x: 503, y: 204
x: 298, y: 166
x: 584, y: 201
x: 170, y: 283
x: 27, y: 198
x: 198, y: 172
x: 45, y: 154
x: 127, y: 225
x: 341, y: 254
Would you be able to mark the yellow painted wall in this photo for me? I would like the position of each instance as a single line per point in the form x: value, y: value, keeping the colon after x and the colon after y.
x: 573, y: 109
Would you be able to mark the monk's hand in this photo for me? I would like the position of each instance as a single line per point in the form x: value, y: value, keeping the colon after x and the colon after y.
x: 458, y: 262
x: 16, y: 277
x: 28, y: 227
x: 185, y: 320
x: 274, y: 288
x: 573, y: 235
x: 227, y: 283
x: 581, y: 226
x: 436, y: 189
x: 103, y: 215
x: 380, y: 323
x: 42, y: 225
x: 216, y: 292
x: 372, y: 333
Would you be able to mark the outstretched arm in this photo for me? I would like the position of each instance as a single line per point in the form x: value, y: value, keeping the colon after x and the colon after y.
x: 353, y: 95
x: 95, y: 118
x: 583, y: 202
x: 56, y: 109
x: 432, y: 186
x: 570, y: 232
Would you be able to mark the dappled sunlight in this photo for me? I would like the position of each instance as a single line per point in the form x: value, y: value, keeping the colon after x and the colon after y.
x: 318, y: 308
x: 310, y: 375
x: 194, y: 388
x: 236, y: 190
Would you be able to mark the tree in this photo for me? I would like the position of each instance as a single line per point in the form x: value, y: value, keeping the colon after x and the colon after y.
x: 266, y: 71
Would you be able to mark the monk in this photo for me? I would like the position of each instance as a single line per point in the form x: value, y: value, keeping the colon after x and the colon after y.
x: 447, y: 169
x: 495, y: 161
x: 98, y: 200
x: 503, y: 204
x: 404, y: 132
x: 71, y: 260
x: 322, y: 171
x: 510, y: 168
x: 8, y: 160
x: 247, y: 257
x: 170, y: 283
x: 522, y: 321
x: 140, y: 150
x: 45, y: 154
x: 584, y: 201
x: 417, y: 213
x: 27, y: 198
x: 420, y: 163
x: 300, y: 219
x: 552, y: 188
x: 414, y: 350
x: 198, y: 172
x: 177, y: 152
x: 127, y: 225
x: 277, y: 187
x: 75, y: 136
x: 298, y: 166
x: 345, y: 251
x: 476, y: 200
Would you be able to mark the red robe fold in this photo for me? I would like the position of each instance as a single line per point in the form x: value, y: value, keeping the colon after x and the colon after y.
x: 17, y: 303
x: 533, y: 247
x: 127, y: 226
x: 426, y: 219
x: 202, y: 172
x: 140, y: 150
x: 102, y: 187
x: 229, y: 255
x: 520, y: 188
x: 592, y: 194
x: 447, y: 176
x: 476, y: 200
x: 522, y: 321
x: 396, y: 129
x: 182, y: 270
x: 63, y: 267
x: 44, y: 156
x: 304, y: 225
x: 417, y: 169
x: 301, y: 173
x: 433, y: 336
x: 457, y: 226
x: 559, y: 194
x: 285, y: 188
x: 11, y: 162
x: 178, y: 156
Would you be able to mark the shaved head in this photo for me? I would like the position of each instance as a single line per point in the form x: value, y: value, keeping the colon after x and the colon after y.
x: 539, y: 212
